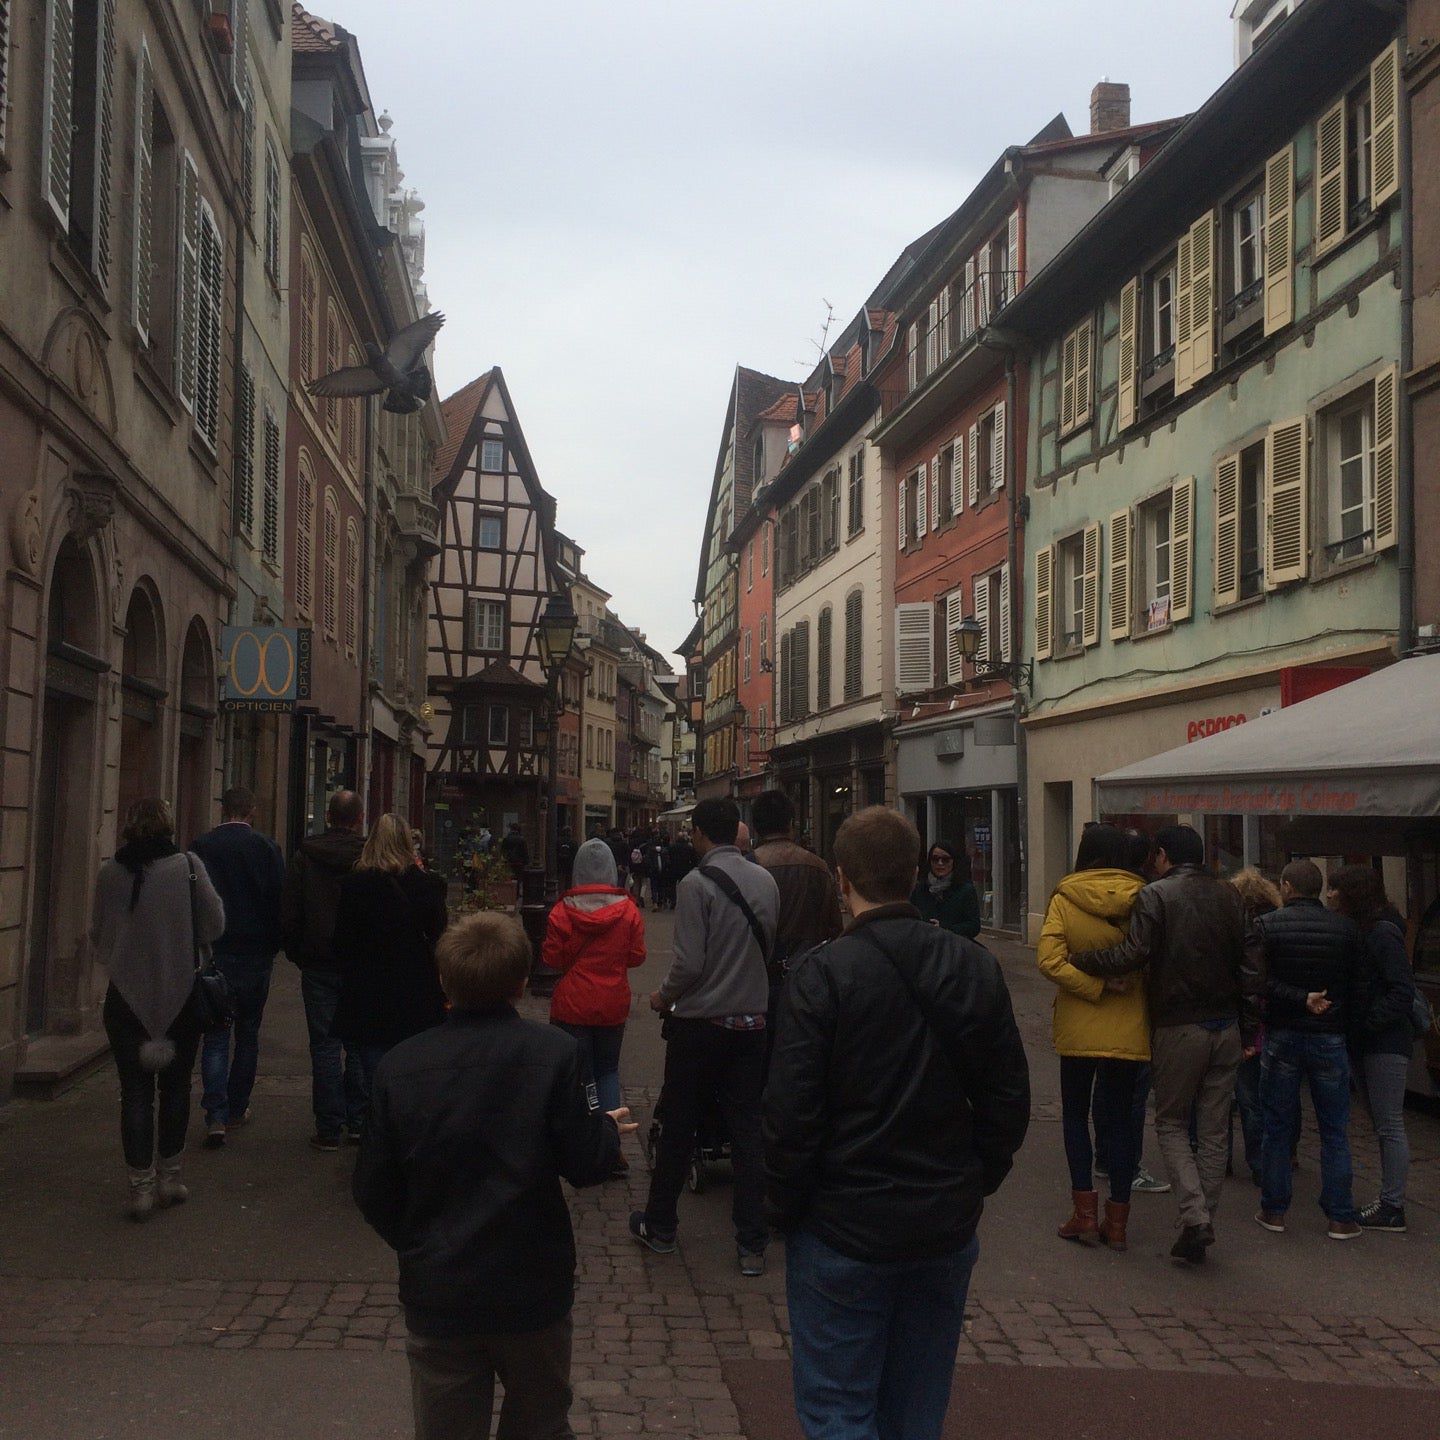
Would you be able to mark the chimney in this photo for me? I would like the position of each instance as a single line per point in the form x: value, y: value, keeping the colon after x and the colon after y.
x: 1109, y: 108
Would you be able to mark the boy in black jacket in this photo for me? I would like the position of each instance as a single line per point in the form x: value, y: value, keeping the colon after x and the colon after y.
x: 472, y: 1126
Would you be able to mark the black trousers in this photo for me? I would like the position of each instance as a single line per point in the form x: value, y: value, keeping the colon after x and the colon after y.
x: 703, y: 1060
x: 137, y: 1086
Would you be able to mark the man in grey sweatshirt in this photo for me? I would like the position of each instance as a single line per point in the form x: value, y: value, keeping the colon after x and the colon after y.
x: 715, y: 998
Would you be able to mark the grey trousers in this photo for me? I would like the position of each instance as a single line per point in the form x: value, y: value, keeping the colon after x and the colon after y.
x: 1195, y: 1073
x: 1384, y: 1078
x: 452, y: 1385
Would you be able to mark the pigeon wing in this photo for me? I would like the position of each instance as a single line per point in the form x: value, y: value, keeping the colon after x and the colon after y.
x: 352, y: 381
x: 409, y: 344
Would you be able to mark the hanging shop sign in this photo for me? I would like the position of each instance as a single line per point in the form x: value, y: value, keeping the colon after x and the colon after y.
x: 264, y: 667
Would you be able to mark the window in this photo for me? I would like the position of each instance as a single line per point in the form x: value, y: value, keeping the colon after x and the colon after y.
x: 1124, y: 171
x: 498, y: 727
x: 272, y: 214
x: 590, y: 747
x: 757, y: 460
x: 1357, y: 154
x: 765, y: 548
x: 830, y: 512
x: 309, y: 317
x: 1247, y: 245
x: 1070, y: 594
x: 992, y: 610
x: 487, y: 626
x: 750, y: 566
x: 856, y: 517
x: 764, y: 640
x: 492, y: 456
x: 1252, y: 521
x: 491, y: 530
x: 1152, y: 559
x: 1076, y: 359
x: 986, y: 474
x: 154, y: 238
x: 912, y: 487
x: 853, y: 645
x: 944, y: 485
x: 330, y: 566
x: 527, y: 728
x: 1349, y: 438
x: 746, y: 667
x: 823, y: 657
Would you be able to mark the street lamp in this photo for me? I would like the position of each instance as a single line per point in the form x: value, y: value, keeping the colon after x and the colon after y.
x: 970, y: 632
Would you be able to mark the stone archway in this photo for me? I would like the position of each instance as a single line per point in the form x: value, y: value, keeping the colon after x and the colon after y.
x: 142, y: 700
x: 194, y: 781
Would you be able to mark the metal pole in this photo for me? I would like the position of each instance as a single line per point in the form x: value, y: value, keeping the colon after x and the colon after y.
x: 535, y: 916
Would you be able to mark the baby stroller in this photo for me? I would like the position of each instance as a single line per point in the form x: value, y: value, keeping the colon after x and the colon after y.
x: 712, y: 1144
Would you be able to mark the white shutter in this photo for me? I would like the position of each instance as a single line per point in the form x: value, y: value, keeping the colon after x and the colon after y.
x: 942, y: 314
x: 1184, y: 328
x: 957, y: 474
x: 1119, y: 567
x: 1386, y: 394
x: 1129, y: 351
x: 912, y: 355
x: 57, y: 137
x: 1044, y: 602
x: 1330, y: 182
x: 982, y: 614
x: 932, y: 337
x: 1227, y: 530
x: 1202, y: 297
x: 954, y: 655
x: 1012, y: 255
x: 914, y: 647
x: 210, y: 312
x: 1084, y: 356
x: 101, y: 223
x: 1090, y: 587
x: 247, y: 152
x: 1182, y: 549
x: 238, y: 68
x: 1067, y: 383
x: 983, y: 291
x: 1279, y: 254
x: 1007, y: 651
x: 900, y: 528
x: 4, y: 68
x: 1287, y: 503
x: 187, y: 279
x: 142, y: 257
x: 997, y: 449
x: 1385, y: 126
x: 968, y: 312
x: 921, y: 492
x: 974, y: 466
x: 935, y: 493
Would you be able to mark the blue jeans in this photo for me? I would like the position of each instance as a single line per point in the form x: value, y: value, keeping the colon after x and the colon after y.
x: 599, y: 1061
x: 337, y: 1086
x: 873, y: 1343
x: 1292, y: 1056
x: 230, y: 1079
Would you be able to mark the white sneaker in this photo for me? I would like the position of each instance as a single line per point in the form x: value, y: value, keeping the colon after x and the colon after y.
x: 1148, y: 1184
x: 142, y: 1195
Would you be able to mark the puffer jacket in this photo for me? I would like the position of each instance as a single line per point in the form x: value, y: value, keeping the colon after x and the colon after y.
x: 311, y: 895
x: 1088, y: 911
x: 1300, y: 949
x: 595, y: 936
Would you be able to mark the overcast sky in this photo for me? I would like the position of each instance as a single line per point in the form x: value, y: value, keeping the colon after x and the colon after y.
x: 625, y: 199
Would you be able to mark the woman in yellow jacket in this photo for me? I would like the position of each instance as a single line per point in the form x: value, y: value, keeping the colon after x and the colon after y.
x: 1102, y: 1033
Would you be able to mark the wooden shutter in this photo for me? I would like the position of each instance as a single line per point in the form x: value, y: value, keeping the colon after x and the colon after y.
x: 800, y: 669
x: 1184, y: 266
x: 272, y: 214
x: 786, y: 648
x: 997, y: 449
x: 935, y: 493
x: 1007, y: 650
x: 942, y: 320
x: 304, y: 539
x: 239, y: 71
x: 1202, y: 297
x: 1067, y: 383
x: 4, y: 68
x: 974, y: 447
x: 968, y: 311
x: 1279, y: 257
x: 921, y: 503
x: 957, y: 474
x: 330, y: 566
x: 853, y: 610
x: 270, y: 513
x: 912, y: 356
x: 1012, y: 255
x: 823, y: 651
x: 58, y: 139
x: 1386, y: 393
x: 900, y: 526
x: 1084, y: 355
x: 245, y: 451
x: 142, y: 255
x: 352, y: 588
x: 932, y: 337
x: 1044, y: 602
x: 1129, y: 348
x: 1090, y: 587
x: 1227, y: 530
x: 1287, y: 504
x: 1182, y: 549
x: 101, y: 215
x: 1385, y: 126
x: 983, y: 656
x: 1119, y: 567
x: 1330, y: 187
x: 187, y: 280
x: 914, y: 648
x: 983, y: 290
x: 247, y: 150
x: 210, y: 320
x: 954, y: 614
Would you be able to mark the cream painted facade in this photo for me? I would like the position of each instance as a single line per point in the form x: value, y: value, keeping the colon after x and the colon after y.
x: 597, y: 714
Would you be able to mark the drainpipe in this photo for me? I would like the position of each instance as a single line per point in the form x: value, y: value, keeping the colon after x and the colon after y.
x: 1406, y: 477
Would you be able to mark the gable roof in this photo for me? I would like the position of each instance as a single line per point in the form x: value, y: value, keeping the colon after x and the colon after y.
x: 458, y: 413
x: 311, y: 34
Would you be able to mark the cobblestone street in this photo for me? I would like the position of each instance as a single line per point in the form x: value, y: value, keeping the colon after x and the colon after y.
x: 270, y: 1257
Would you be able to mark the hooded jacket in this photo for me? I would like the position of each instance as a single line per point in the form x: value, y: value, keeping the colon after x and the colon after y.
x: 595, y: 937
x: 311, y: 894
x: 1089, y: 911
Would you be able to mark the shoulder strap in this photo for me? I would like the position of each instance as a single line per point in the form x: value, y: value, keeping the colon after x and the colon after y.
x: 731, y: 891
x: 194, y: 911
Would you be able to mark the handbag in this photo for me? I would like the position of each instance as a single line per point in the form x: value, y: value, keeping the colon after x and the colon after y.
x: 210, y: 995
x: 1422, y: 1015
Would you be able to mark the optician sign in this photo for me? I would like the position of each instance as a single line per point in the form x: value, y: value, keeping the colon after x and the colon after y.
x: 264, y: 667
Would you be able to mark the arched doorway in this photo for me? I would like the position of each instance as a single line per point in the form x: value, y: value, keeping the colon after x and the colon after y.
x: 194, y: 785
x: 142, y: 698
x: 64, y: 813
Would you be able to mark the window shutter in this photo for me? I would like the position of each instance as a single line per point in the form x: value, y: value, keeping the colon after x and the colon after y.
x: 1227, y: 530
x: 1090, y: 587
x: 942, y: 320
x: 1129, y: 347
x: 983, y: 289
x: 1386, y: 387
x: 247, y: 150
x: 272, y: 214
x: 1044, y: 601
x: 245, y: 451
x: 270, y: 513
x: 853, y: 610
x: 823, y: 651
x: 187, y: 279
x: 1202, y: 297
x: 1330, y: 178
x: 982, y: 614
x: 957, y: 474
x: 935, y: 493
x: 1184, y: 325
x: 1287, y: 504
x: 932, y: 337
x: 968, y: 311
x: 1067, y: 383
x: 210, y: 319
x: 57, y: 148
x: 352, y: 588
x: 954, y: 614
x: 307, y: 319
x: 330, y: 566
x: 800, y: 666
x: 1012, y: 255
x: 4, y: 68
x: 997, y: 449
x: 974, y: 447
x: 900, y: 528
x: 914, y: 648
x: 912, y: 355
x: 785, y: 666
x: 1007, y: 650
x: 1385, y: 126
x: 1279, y: 257
x: 1084, y: 356
x: 921, y: 505
x: 1119, y: 567
x: 142, y: 277
x: 1182, y: 549
x: 101, y: 248
x: 304, y: 539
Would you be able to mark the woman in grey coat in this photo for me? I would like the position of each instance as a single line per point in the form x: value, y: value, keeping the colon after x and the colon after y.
x: 146, y: 934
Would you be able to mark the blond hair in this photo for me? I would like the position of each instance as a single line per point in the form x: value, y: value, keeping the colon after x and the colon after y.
x: 483, y: 960
x: 388, y: 847
x: 1255, y: 890
x: 149, y: 818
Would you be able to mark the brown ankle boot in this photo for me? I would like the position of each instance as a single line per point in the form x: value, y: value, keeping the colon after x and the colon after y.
x: 1082, y: 1225
x: 1112, y: 1227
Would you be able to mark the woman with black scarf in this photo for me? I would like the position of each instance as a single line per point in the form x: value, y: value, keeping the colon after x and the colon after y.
x: 147, y: 935
x: 945, y: 894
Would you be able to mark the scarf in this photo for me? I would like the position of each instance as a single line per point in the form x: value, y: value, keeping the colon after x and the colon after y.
x: 938, y: 884
x: 136, y: 855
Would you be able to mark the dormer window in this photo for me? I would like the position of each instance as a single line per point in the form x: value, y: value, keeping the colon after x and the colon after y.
x: 758, y: 459
x: 1124, y: 170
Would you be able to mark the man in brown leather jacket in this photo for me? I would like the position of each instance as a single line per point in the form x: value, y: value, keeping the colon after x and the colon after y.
x: 1188, y: 928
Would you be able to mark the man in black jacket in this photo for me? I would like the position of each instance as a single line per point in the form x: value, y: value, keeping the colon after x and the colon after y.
x: 307, y: 924
x: 247, y: 871
x: 1310, y: 958
x: 1188, y: 927
x: 473, y: 1124
x: 898, y: 1096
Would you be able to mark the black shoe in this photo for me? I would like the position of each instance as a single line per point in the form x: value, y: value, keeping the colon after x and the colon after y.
x: 752, y: 1262
x: 214, y: 1136
x: 351, y: 1134
x: 1380, y: 1216
x: 325, y: 1142
x: 649, y: 1238
x: 1207, y: 1235
x: 1190, y: 1247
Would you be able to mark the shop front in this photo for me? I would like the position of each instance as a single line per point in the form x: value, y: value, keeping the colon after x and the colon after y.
x: 958, y: 780
x: 828, y: 779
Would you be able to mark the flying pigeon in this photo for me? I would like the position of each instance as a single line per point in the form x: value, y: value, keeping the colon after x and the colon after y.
x: 396, y: 369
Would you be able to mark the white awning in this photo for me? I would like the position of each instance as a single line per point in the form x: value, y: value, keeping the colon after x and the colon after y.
x: 1369, y: 748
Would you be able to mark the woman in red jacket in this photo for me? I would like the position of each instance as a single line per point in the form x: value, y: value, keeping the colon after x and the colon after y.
x: 595, y: 937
